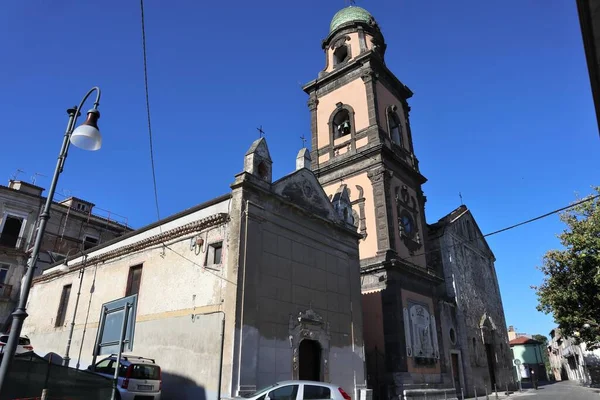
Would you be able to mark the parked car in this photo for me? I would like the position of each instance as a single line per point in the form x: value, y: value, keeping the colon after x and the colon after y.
x: 24, y: 345
x: 139, y: 377
x: 300, y: 390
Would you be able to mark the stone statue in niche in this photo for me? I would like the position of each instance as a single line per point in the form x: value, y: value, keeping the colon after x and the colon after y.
x: 360, y: 219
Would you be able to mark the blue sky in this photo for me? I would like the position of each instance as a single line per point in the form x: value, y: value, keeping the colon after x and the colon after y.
x: 502, y: 110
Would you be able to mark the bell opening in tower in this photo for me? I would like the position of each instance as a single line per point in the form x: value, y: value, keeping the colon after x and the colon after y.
x: 341, y: 123
x: 340, y: 55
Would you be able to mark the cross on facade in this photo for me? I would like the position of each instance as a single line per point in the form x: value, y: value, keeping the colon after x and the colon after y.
x: 461, y: 199
x: 261, y: 133
x: 303, y: 140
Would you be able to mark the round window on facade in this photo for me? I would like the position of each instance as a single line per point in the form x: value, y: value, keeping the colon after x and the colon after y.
x: 452, y: 336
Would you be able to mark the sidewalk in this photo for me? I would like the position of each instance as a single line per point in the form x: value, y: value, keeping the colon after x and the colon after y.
x: 501, y: 395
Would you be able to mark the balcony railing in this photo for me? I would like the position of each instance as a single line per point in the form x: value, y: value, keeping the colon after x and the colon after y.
x: 5, y: 291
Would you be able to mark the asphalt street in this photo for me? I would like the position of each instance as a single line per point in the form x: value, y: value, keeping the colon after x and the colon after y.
x: 566, y: 390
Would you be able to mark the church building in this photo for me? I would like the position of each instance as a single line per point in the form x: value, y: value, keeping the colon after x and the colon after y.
x: 254, y: 287
x: 330, y: 273
x: 362, y: 143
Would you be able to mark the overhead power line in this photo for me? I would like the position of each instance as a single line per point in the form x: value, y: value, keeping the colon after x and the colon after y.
x: 148, y: 109
x: 505, y: 229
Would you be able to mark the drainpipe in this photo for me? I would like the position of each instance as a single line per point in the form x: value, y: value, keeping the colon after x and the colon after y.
x: 67, y: 359
x: 242, y: 295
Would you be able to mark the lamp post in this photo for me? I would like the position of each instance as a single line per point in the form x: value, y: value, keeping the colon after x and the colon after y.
x: 65, y: 268
x: 87, y: 136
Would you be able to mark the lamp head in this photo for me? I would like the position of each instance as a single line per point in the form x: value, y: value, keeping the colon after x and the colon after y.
x: 87, y: 135
x: 64, y: 267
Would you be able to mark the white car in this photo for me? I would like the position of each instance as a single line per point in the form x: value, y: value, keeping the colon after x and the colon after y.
x: 300, y: 390
x: 139, y: 377
x: 24, y: 345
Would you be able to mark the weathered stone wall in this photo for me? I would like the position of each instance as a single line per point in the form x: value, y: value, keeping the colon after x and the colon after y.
x: 478, y: 319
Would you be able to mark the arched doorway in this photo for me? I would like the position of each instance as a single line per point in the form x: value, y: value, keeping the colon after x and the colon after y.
x: 309, y: 367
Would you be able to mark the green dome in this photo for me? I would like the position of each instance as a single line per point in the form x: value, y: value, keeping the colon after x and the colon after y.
x: 349, y: 14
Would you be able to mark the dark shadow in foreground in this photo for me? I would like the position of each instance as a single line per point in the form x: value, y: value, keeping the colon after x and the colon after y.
x: 176, y: 387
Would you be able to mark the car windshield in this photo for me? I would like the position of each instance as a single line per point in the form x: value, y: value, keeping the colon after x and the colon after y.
x: 260, y: 392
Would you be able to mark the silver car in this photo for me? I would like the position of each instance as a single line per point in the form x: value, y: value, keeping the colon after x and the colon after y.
x: 300, y: 390
x: 139, y: 377
x: 23, y: 346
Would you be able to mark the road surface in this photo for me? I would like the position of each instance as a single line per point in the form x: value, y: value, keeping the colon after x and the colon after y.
x: 565, y: 390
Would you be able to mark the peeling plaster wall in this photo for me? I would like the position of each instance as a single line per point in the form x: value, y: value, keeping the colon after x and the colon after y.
x: 295, y: 263
x: 174, y: 294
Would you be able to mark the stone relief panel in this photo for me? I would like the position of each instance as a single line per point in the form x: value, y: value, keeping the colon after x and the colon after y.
x: 421, y: 334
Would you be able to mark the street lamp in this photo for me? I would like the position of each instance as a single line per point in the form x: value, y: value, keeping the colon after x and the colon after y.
x: 87, y: 136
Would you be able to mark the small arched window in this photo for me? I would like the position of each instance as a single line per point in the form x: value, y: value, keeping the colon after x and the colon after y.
x: 395, y: 126
x: 341, y: 124
x: 340, y: 55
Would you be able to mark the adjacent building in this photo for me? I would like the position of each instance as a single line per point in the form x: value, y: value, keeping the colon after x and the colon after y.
x: 530, y: 354
x: 473, y: 322
x: 572, y: 361
x: 73, y: 226
x: 256, y: 286
x: 589, y: 19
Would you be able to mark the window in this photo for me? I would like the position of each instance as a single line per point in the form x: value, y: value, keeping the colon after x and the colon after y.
x: 284, y: 393
x: 11, y: 229
x: 3, y: 272
x: 215, y: 252
x: 133, y: 280
x: 341, y: 124
x: 340, y: 55
x: 62, y: 306
x: 312, y: 392
x: 452, y: 336
x: 395, y: 128
x: 143, y: 371
x: 89, y: 242
x: 106, y: 367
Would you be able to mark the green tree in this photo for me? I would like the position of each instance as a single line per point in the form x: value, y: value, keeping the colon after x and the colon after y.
x: 571, y: 286
x: 544, y: 350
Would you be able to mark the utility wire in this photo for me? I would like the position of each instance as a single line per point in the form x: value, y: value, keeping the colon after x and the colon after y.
x: 148, y: 109
x: 505, y: 229
x: 152, y: 147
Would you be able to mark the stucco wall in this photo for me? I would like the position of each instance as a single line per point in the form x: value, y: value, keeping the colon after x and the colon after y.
x: 174, y: 293
x: 354, y: 94
x: 367, y: 245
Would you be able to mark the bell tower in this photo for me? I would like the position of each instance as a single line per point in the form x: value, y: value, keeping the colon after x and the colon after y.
x: 361, y: 140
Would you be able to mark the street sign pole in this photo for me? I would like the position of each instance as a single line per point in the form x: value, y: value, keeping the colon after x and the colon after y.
x: 121, y: 340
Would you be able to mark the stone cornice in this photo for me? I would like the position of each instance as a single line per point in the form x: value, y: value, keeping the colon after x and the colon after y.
x: 195, y: 226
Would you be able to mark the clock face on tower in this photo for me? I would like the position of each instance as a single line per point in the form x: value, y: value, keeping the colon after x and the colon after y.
x: 406, y: 224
